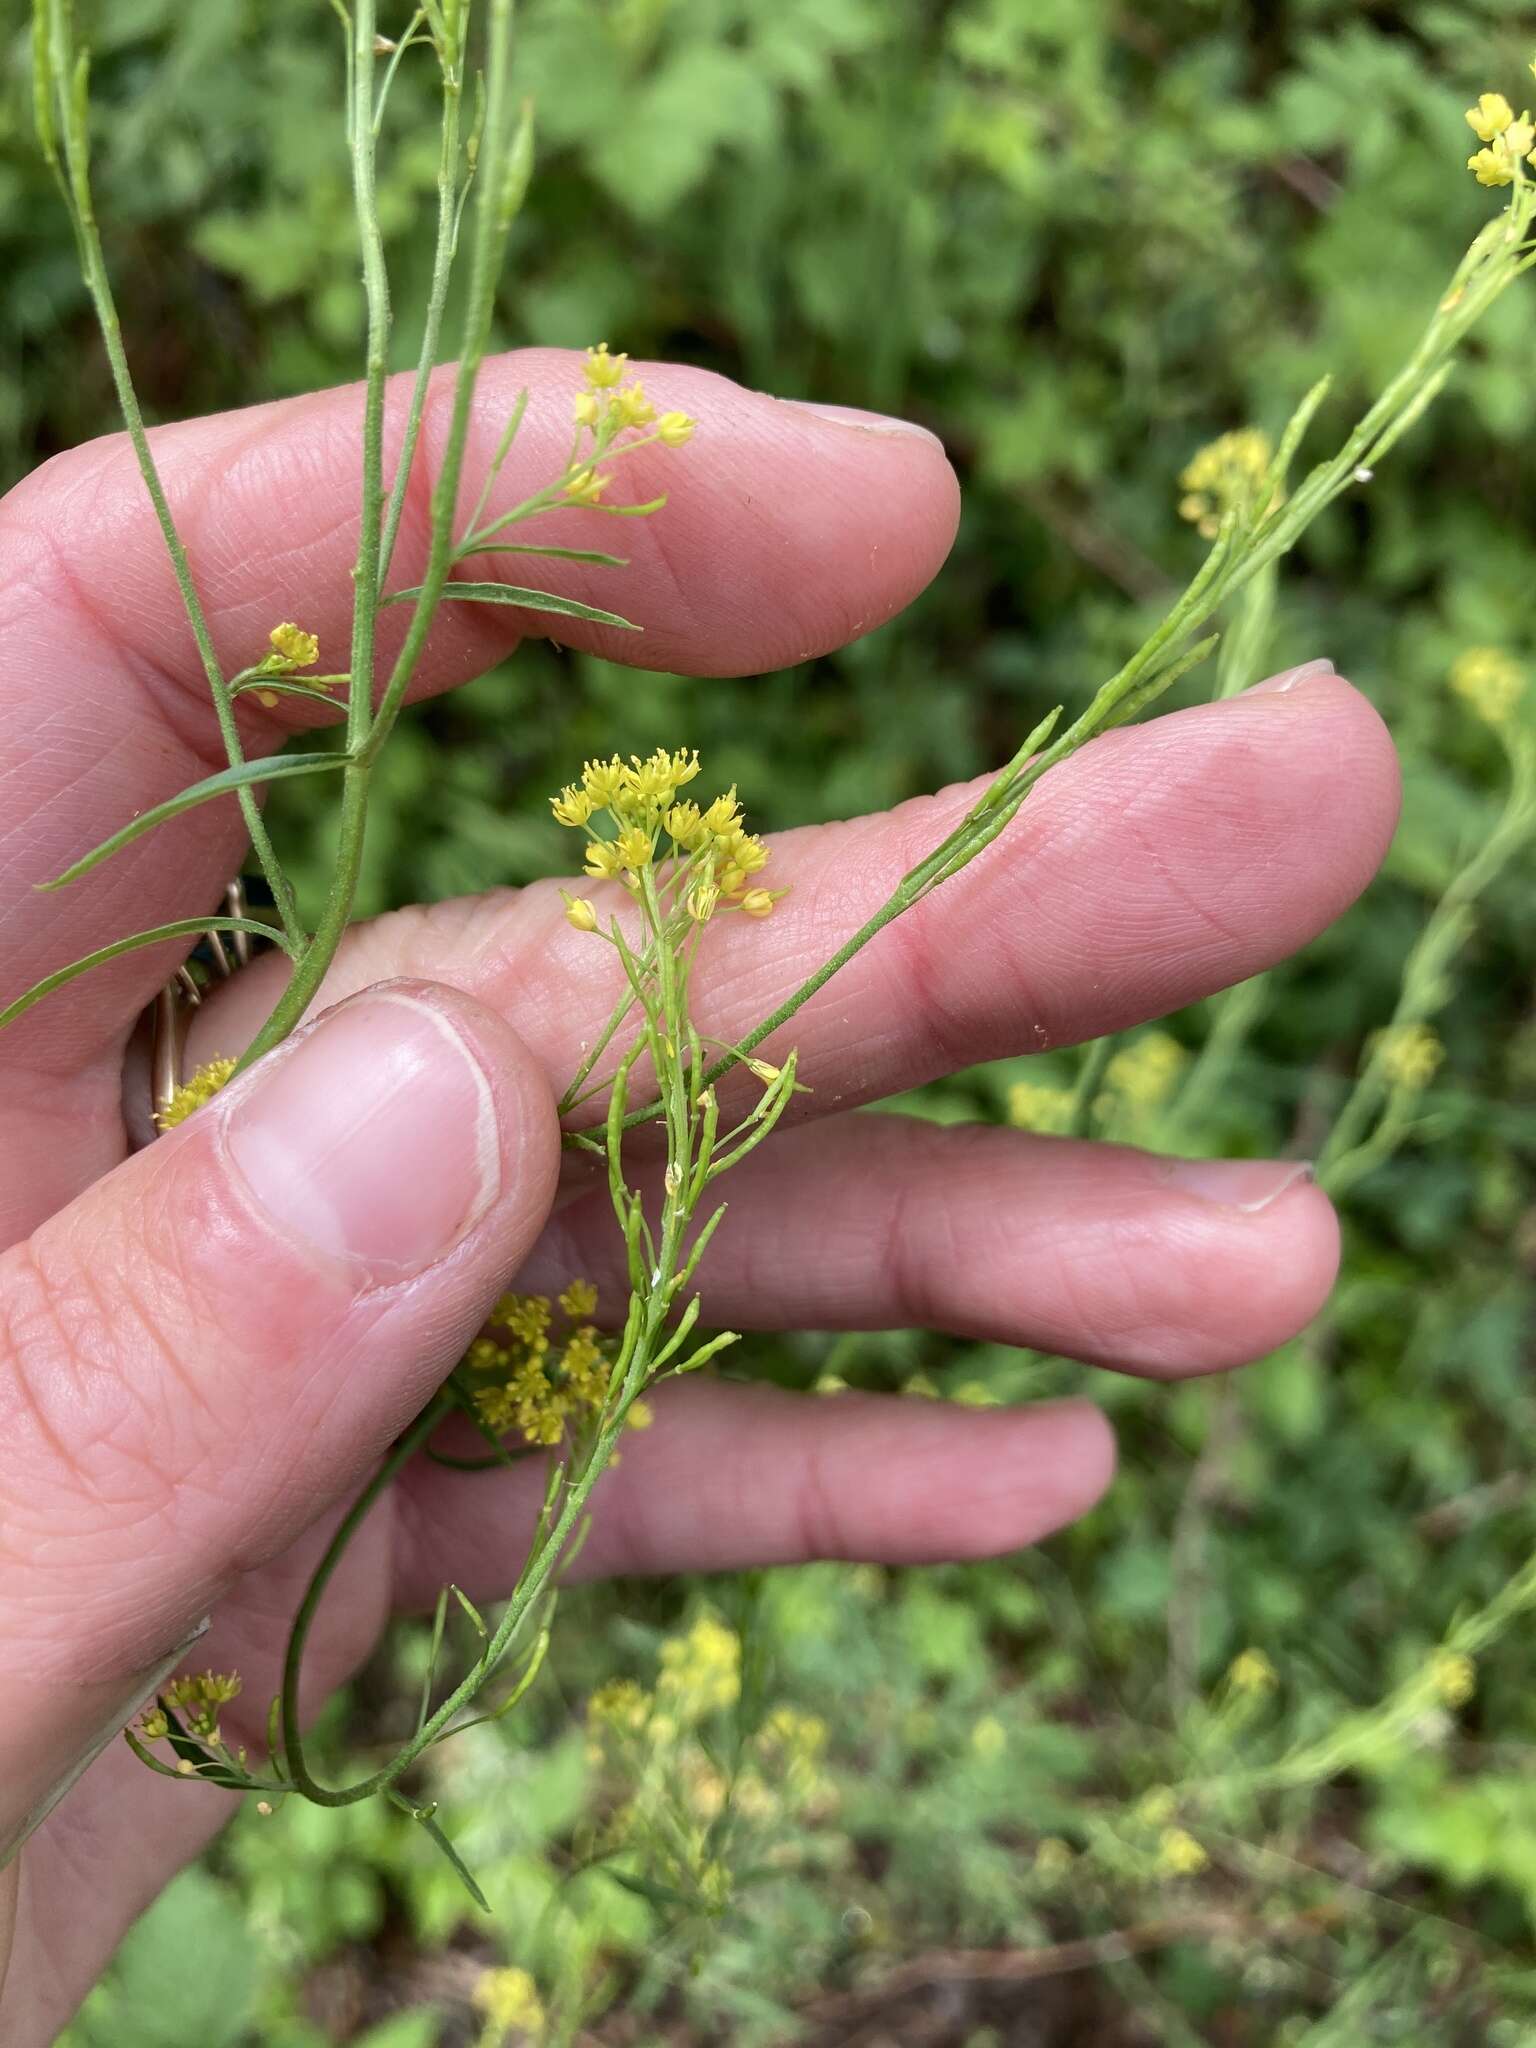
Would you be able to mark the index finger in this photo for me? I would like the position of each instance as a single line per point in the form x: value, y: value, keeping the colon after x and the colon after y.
x: 787, y: 532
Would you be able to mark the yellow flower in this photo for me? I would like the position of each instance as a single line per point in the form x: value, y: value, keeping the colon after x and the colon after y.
x: 1493, y: 166
x: 703, y: 901
x: 1452, y: 1676
x: 199, y: 1696
x: 641, y: 1415
x: 579, y: 1300
x: 580, y: 915
x: 510, y: 2001
x: 572, y: 806
x: 1179, y: 1854
x: 621, y: 1703
x: 651, y: 783
x: 603, y: 370
x: 585, y: 409
x: 603, y: 860
x: 1490, y: 680
x: 685, y: 823
x: 1251, y: 1672
x: 525, y: 1315
x: 1226, y: 473
x: 204, y: 1084
x: 631, y: 407
x: 674, y: 428
x: 1146, y: 1072
x: 758, y: 903
x: 988, y: 1738
x: 1033, y: 1106
x: 603, y: 780
x: 701, y: 1672
x: 740, y: 850
x: 1519, y: 135
x: 586, y: 487
x: 153, y: 1725
x: 295, y: 645
x: 1490, y: 117
x: 634, y: 848
x: 765, y: 1071
x: 1410, y: 1055
x: 724, y: 814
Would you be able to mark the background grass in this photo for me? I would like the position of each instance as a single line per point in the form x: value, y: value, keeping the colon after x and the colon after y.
x: 1078, y: 240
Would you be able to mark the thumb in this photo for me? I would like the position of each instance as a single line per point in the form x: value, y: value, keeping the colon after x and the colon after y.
x: 211, y: 1346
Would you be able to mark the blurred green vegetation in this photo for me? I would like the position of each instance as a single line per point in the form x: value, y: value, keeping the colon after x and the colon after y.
x: 1078, y: 240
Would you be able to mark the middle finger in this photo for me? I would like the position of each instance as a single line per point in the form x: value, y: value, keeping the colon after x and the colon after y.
x: 1161, y: 864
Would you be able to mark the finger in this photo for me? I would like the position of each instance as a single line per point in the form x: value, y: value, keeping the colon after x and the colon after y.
x: 213, y: 1345
x: 731, y: 1476
x: 881, y: 1479
x: 1097, y: 1252
x: 129, y: 1828
x: 785, y: 534
x: 1157, y: 866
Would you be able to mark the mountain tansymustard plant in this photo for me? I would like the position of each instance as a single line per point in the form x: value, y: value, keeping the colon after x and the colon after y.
x: 559, y: 1382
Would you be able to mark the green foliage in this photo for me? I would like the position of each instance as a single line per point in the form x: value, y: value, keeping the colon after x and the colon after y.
x: 1079, y: 241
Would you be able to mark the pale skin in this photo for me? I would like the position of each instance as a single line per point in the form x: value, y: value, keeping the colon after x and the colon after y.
x: 197, y: 1371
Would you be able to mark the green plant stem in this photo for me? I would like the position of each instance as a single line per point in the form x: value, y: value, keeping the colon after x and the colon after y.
x: 314, y: 963
x: 365, y: 574
x: 1350, y: 1152
x: 76, y: 183
x: 1089, y: 1080
x: 437, y: 297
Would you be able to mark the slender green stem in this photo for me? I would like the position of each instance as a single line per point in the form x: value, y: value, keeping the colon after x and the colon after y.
x: 314, y: 963
x: 437, y: 296
x: 365, y: 574
x: 1090, y: 1079
x: 76, y: 183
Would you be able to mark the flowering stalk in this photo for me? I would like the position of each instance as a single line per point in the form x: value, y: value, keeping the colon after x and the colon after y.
x: 678, y: 867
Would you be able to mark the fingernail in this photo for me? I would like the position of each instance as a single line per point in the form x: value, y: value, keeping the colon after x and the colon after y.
x: 1245, y: 1184
x: 373, y: 1139
x: 866, y: 422
x: 1291, y: 678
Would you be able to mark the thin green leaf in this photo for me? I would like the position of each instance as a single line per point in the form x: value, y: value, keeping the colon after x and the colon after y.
x: 524, y: 547
x: 183, y: 928
x: 262, y: 686
x: 280, y: 768
x: 525, y: 600
x: 461, y: 1869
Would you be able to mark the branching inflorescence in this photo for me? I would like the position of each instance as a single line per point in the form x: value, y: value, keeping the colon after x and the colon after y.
x: 543, y: 1380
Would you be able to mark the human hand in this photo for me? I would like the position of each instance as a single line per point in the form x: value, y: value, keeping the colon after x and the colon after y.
x: 205, y: 1347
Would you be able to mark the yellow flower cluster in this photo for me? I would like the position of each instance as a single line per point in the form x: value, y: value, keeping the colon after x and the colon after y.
x: 510, y: 2001
x: 1146, y: 1072
x: 540, y: 1389
x: 606, y: 407
x: 1227, y: 473
x: 1410, y: 1055
x: 1035, y: 1106
x: 203, y: 1085
x: 293, y: 646
x: 1251, y: 1672
x: 1179, y: 1854
x: 1490, y: 681
x: 1452, y: 1677
x: 701, y: 1671
x: 1508, y: 139
x: 712, y: 856
x: 197, y: 1697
